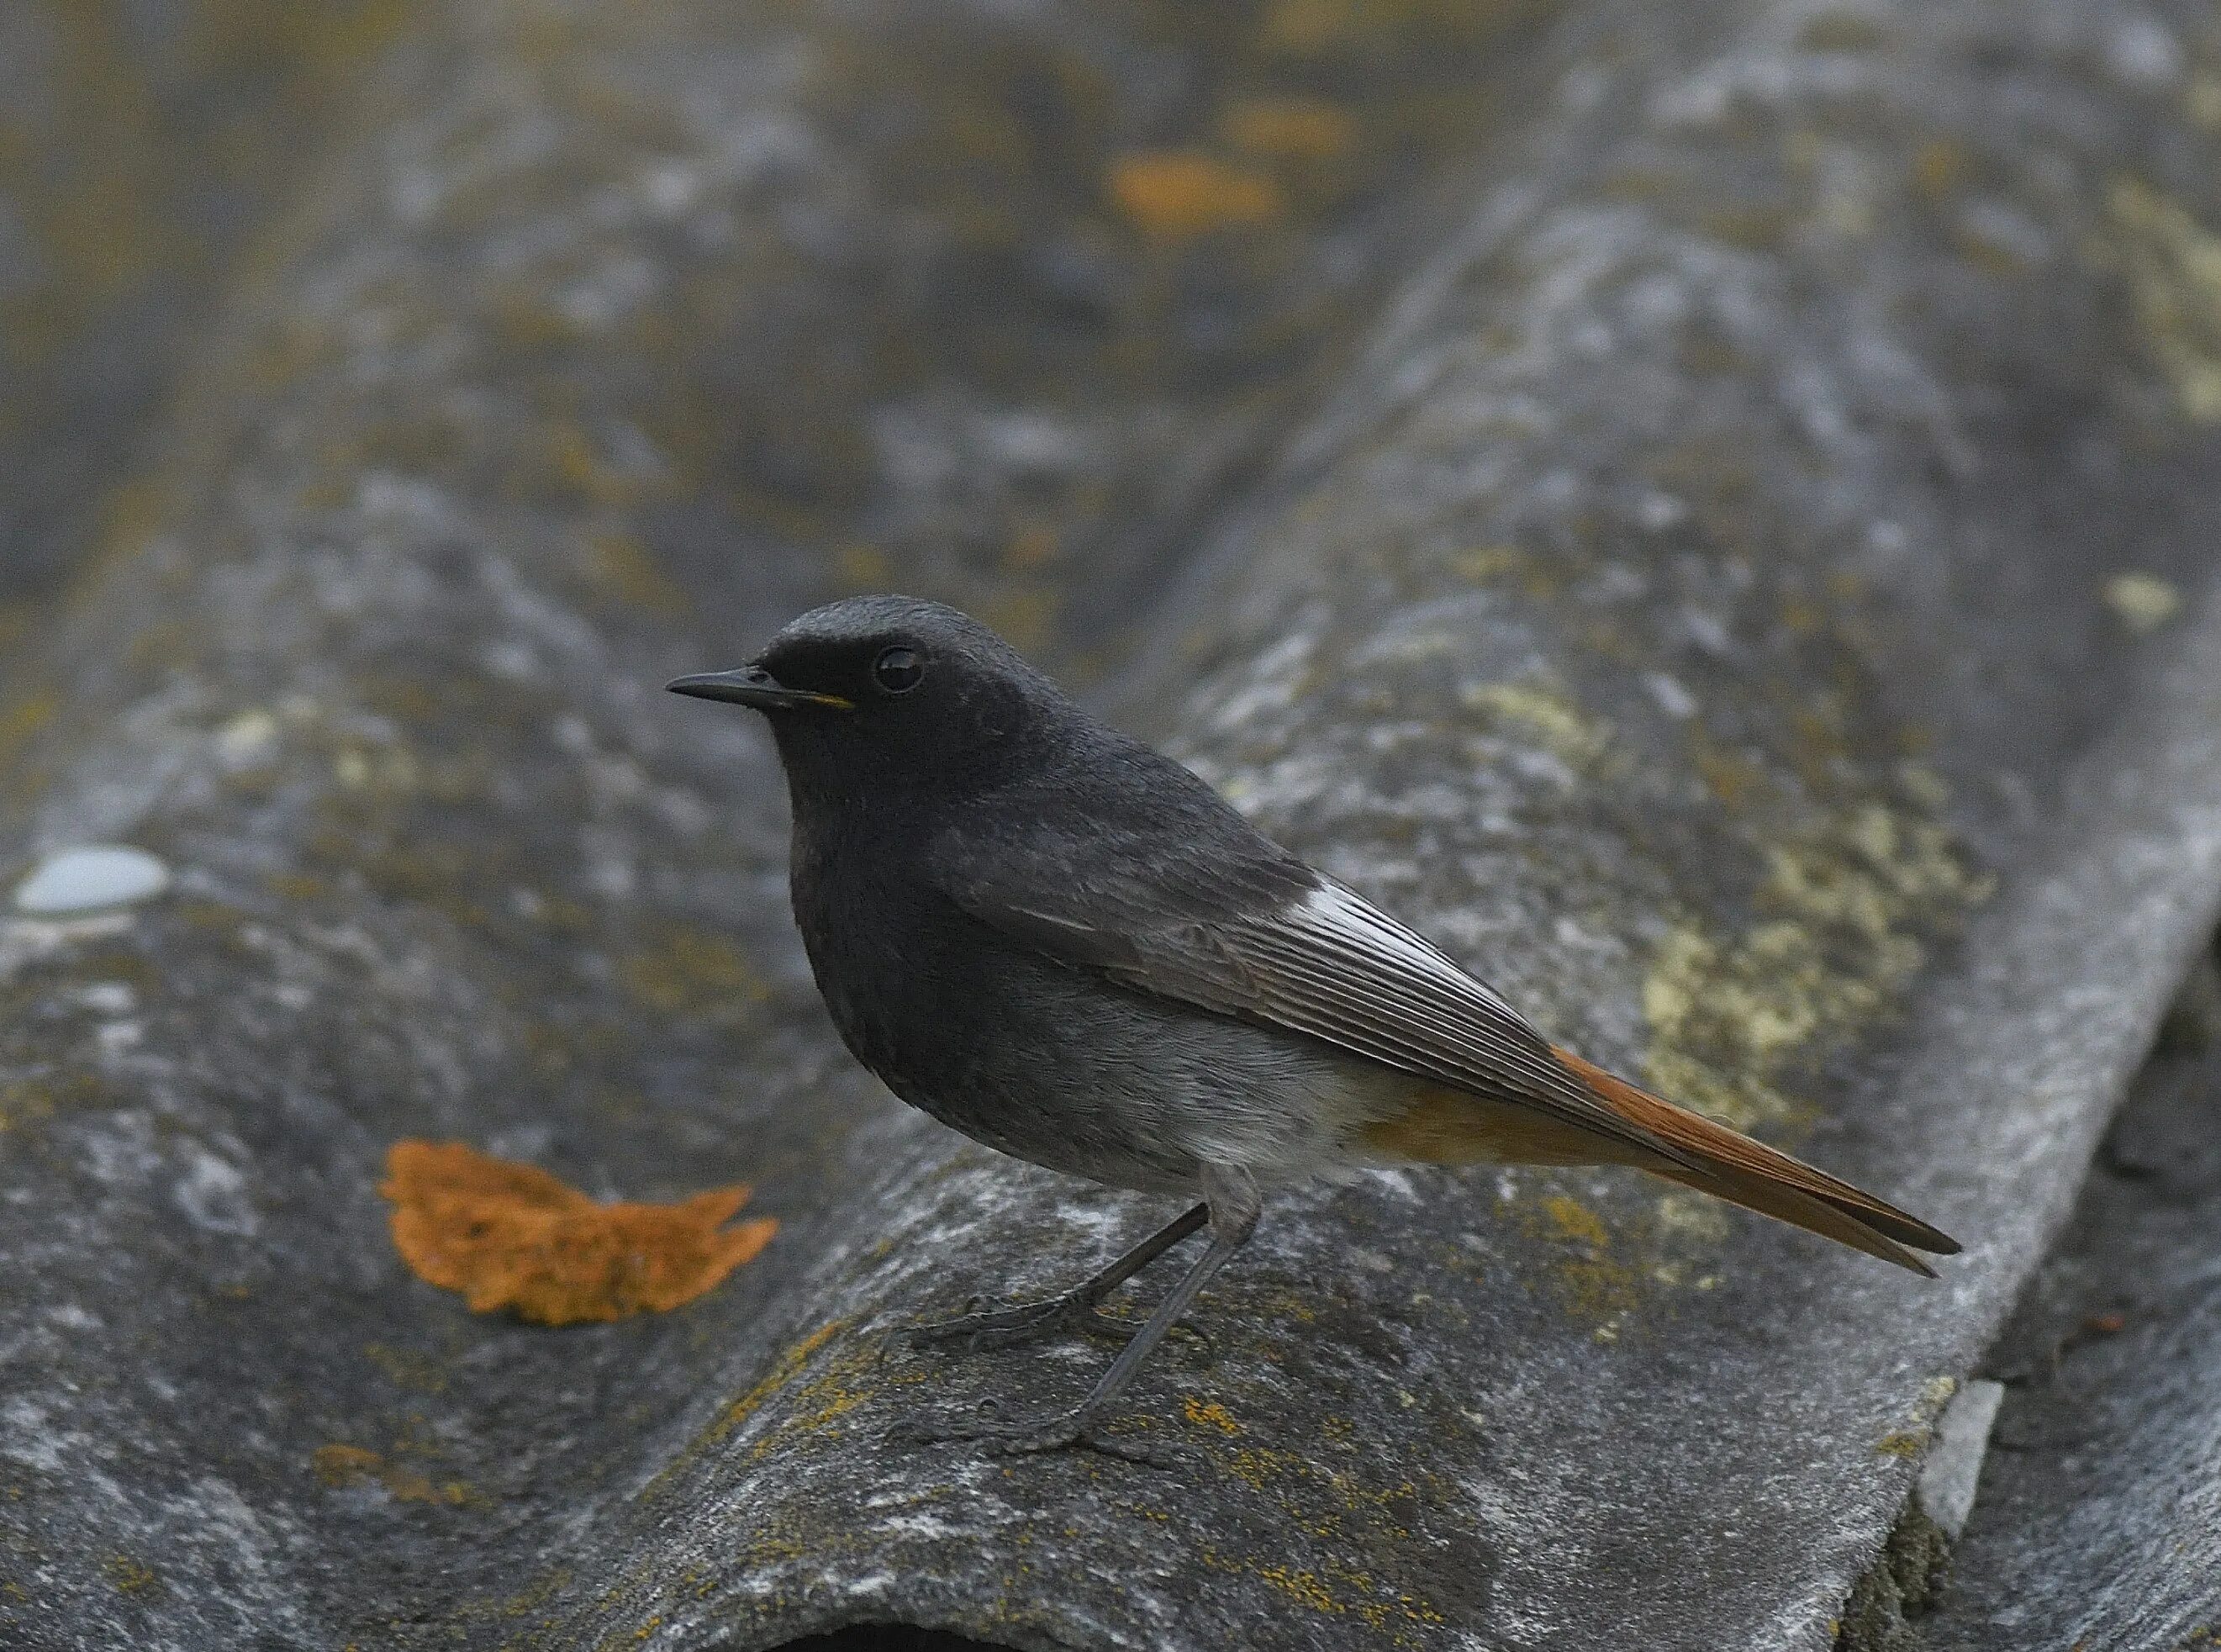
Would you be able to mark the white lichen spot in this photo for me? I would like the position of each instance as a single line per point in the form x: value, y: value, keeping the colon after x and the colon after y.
x: 91, y: 878
x: 107, y: 998
x: 2142, y: 602
x: 1673, y: 700
x: 213, y: 1195
x: 2143, y: 51
x: 246, y: 739
x: 1563, y: 729
x: 1691, y: 1216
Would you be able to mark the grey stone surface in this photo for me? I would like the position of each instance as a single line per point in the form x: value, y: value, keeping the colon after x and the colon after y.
x: 1745, y: 587
x: 142, y: 143
x: 2097, y: 1521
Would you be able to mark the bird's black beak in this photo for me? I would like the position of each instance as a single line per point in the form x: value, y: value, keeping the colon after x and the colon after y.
x: 753, y: 685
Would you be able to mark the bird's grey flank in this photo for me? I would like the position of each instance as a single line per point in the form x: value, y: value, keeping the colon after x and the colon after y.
x: 1066, y: 946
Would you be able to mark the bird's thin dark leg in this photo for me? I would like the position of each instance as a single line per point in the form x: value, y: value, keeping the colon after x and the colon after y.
x: 1232, y: 1202
x: 1074, y: 1310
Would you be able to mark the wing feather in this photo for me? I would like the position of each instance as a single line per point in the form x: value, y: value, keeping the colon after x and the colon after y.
x: 1185, y: 901
x: 1305, y: 954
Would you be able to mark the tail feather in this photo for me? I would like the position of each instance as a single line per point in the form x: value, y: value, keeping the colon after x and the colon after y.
x: 1799, y: 1210
x: 1731, y: 1165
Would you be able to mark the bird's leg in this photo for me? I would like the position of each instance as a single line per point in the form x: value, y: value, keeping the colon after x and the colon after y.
x: 1231, y: 1202
x: 1074, y: 1310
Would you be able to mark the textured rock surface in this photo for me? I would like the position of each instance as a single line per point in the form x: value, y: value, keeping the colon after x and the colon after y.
x: 142, y: 142
x: 2098, y: 1521
x: 1743, y: 586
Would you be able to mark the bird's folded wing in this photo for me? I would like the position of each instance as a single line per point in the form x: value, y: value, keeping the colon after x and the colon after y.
x: 1279, y: 945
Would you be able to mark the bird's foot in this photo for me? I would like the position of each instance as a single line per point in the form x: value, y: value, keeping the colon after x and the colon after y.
x: 1074, y: 1311
x: 1075, y: 1429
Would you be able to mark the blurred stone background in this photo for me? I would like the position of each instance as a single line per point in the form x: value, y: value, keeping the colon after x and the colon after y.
x: 1711, y: 511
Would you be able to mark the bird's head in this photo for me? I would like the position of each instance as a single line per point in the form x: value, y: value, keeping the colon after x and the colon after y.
x: 892, y: 690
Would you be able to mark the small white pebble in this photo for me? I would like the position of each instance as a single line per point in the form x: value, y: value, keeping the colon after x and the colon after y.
x: 1673, y: 700
x: 91, y: 878
x: 1953, y: 1471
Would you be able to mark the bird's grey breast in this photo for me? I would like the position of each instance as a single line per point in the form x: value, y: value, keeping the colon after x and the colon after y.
x: 1051, y: 1061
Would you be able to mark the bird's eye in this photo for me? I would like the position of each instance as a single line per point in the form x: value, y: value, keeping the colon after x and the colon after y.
x: 897, y: 670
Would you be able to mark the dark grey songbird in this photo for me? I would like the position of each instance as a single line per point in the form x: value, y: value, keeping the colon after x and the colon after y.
x: 1068, y: 946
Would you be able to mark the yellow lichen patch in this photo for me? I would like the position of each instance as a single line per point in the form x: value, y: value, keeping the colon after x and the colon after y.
x: 127, y: 1575
x: 1486, y: 563
x: 1303, y: 1587
x: 1593, y: 1284
x: 1336, y: 1589
x: 1026, y: 616
x: 1844, y: 904
x: 1731, y: 777
x: 2173, y: 265
x: 2142, y: 602
x: 818, y: 1404
x: 1034, y: 545
x: 1562, y: 727
x: 1293, y: 128
x: 1912, y: 1440
x: 1209, y: 1413
x: 1176, y: 195
x: 1939, y: 169
x: 628, y: 570
x: 1307, y: 26
x: 790, y: 1365
x: 511, y: 1235
x: 1575, y: 1220
x: 20, y: 720
x: 338, y: 1466
x: 407, y: 1368
x: 2201, y: 99
x: 691, y: 972
x: 27, y: 1100
x: 859, y: 566
x: 1841, y: 31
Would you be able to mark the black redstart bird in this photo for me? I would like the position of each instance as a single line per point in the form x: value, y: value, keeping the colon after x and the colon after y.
x: 1068, y: 946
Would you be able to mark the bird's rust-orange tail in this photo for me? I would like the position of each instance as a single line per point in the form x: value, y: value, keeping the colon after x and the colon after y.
x: 1730, y: 1166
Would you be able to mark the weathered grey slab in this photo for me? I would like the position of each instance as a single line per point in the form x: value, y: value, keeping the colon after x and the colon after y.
x: 142, y: 143
x: 1746, y: 593
x: 2097, y: 1521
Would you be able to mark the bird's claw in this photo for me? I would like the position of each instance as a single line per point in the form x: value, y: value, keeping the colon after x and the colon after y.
x: 1004, y: 1327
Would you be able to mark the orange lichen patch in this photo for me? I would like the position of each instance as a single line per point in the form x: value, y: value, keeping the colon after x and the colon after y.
x: 511, y: 1235
x: 1175, y: 194
x: 1295, y: 128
